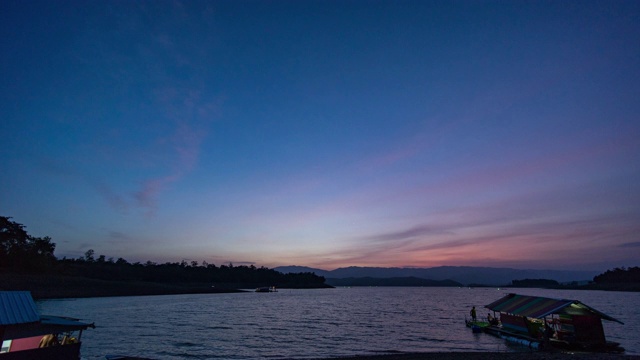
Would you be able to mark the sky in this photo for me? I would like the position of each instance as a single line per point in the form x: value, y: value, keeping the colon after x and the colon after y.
x: 325, y: 133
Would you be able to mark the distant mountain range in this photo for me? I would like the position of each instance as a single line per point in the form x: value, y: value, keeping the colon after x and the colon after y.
x: 394, y: 281
x: 465, y: 275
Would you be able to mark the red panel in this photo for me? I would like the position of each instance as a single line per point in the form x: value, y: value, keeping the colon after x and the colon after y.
x: 25, y: 343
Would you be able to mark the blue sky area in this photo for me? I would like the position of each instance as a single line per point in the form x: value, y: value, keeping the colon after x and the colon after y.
x: 325, y: 133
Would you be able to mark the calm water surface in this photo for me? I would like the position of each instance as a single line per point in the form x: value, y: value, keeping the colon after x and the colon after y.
x: 311, y: 323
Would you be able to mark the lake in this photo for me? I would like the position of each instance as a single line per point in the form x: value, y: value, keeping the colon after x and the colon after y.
x: 312, y: 323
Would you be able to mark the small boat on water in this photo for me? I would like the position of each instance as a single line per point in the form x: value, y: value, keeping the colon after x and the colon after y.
x: 545, y: 323
x: 25, y: 334
x: 476, y: 326
x: 266, y: 289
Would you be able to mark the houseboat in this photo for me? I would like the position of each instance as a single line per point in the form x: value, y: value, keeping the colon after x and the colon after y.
x: 545, y: 323
x: 25, y: 334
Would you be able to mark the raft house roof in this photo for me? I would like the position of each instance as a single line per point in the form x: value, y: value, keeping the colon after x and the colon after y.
x: 19, y: 317
x: 17, y: 307
x: 538, y: 307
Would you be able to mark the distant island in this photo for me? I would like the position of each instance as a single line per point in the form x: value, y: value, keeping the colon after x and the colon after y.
x: 466, y: 275
x: 618, y: 279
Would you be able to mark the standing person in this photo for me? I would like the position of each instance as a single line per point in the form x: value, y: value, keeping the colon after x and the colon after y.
x: 473, y: 313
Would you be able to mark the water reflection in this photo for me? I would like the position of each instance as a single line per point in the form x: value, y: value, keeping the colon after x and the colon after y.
x: 311, y: 323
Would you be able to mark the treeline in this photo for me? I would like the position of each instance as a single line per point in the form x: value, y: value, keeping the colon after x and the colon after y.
x: 22, y: 253
x: 183, y: 272
x: 619, y: 276
x: 618, y: 279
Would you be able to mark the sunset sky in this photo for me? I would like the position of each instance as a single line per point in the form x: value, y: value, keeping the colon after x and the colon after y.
x: 325, y: 133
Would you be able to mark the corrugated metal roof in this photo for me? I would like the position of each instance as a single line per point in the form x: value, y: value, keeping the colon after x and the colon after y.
x: 17, y: 307
x: 539, y: 307
x: 529, y: 306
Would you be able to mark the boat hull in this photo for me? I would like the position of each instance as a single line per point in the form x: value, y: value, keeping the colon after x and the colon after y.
x: 551, y: 344
x: 60, y: 352
x: 476, y: 326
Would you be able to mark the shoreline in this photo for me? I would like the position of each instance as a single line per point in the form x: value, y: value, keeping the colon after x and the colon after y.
x: 53, y: 286
x: 44, y: 287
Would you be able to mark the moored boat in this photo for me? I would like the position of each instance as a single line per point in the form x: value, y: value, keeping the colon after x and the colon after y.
x: 476, y: 326
x: 267, y: 289
x: 25, y: 334
x: 545, y: 323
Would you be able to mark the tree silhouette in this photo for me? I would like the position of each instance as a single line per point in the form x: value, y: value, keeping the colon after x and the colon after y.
x: 22, y: 252
x: 619, y: 276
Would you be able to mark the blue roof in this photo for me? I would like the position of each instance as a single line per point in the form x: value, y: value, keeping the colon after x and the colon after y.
x: 17, y: 307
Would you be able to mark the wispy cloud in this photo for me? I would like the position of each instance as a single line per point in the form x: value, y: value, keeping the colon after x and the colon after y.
x: 115, y: 200
x: 191, y: 115
x: 64, y: 169
x: 146, y: 196
x: 491, y: 235
x: 411, y: 233
x: 630, y: 244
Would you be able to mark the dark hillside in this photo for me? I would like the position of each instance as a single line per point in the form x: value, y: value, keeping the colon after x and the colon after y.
x: 398, y: 281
